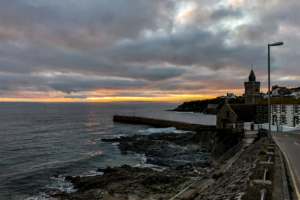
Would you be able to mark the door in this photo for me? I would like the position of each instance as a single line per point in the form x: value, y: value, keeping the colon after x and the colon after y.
x: 224, y: 125
x: 296, y: 121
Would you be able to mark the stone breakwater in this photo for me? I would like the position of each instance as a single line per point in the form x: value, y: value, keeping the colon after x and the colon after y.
x: 159, y: 122
x: 234, y: 182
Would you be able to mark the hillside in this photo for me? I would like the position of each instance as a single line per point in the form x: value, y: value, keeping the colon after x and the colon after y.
x: 201, y: 105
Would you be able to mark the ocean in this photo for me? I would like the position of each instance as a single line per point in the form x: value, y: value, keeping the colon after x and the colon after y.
x: 43, y: 142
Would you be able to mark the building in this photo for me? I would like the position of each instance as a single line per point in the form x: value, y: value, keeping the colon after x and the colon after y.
x: 230, y: 96
x: 252, y: 90
x: 283, y: 111
x: 234, y: 115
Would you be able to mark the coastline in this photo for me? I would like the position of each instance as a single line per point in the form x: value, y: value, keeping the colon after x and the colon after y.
x: 155, y: 178
x: 185, y: 156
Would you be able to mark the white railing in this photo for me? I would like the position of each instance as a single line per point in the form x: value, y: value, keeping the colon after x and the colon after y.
x: 263, y: 192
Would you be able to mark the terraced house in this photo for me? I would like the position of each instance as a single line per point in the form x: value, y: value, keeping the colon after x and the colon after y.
x: 283, y: 111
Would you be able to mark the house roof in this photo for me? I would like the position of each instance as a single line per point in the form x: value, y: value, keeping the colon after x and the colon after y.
x: 244, y: 112
x: 278, y: 101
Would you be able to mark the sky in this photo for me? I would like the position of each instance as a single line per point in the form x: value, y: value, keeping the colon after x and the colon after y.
x: 138, y: 50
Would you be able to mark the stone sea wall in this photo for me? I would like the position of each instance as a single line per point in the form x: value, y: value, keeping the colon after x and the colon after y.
x: 220, y: 140
x: 160, y: 123
x: 234, y: 182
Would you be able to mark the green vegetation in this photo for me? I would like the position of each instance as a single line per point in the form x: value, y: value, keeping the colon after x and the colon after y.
x: 217, y: 176
x: 201, y: 105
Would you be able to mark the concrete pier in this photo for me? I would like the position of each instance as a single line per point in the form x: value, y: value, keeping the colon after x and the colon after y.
x: 160, y: 123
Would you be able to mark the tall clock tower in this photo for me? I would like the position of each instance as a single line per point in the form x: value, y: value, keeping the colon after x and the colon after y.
x: 252, y: 89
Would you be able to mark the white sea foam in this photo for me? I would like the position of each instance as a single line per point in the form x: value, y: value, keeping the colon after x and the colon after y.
x: 160, y: 130
x: 119, y: 135
x: 154, y: 167
x: 199, y: 113
x: 115, y: 143
x: 91, y: 173
x: 59, y: 185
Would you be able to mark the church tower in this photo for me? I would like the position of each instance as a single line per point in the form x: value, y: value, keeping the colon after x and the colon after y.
x: 252, y: 89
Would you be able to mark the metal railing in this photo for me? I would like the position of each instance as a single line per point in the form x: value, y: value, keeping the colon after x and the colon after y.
x: 225, y: 156
x: 230, y: 153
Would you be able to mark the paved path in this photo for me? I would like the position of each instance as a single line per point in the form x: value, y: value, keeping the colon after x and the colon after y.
x: 289, y: 143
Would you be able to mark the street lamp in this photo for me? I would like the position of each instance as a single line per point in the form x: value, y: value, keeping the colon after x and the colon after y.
x: 269, y: 99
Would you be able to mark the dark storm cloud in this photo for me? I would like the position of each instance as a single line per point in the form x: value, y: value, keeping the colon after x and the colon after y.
x: 225, y: 13
x: 39, y: 59
x: 76, y: 46
x: 69, y: 84
x: 192, y: 47
x: 65, y: 83
x: 79, y: 24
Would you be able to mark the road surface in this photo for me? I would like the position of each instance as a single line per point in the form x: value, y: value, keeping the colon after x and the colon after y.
x: 289, y: 143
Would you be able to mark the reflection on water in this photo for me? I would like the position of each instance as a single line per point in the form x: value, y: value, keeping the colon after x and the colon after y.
x: 98, y: 133
x: 90, y: 143
x: 94, y: 153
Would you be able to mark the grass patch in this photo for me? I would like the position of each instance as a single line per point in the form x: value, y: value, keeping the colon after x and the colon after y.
x: 217, y: 176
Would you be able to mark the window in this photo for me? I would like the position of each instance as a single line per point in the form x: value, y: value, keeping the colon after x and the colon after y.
x: 259, y: 118
x: 274, y: 109
x: 266, y: 109
x: 282, y: 109
x: 282, y: 119
x: 261, y: 108
x: 296, y: 109
x: 256, y: 90
x: 227, y: 114
x: 266, y: 118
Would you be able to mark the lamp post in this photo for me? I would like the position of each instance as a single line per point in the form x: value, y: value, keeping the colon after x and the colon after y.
x: 269, y: 99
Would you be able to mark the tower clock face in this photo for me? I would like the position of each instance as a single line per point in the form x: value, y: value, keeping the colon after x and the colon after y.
x: 249, y: 91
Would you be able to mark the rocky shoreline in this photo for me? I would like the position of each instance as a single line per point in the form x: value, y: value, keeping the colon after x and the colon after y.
x: 184, y: 160
x: 166, y: 149
x: 175, y: 160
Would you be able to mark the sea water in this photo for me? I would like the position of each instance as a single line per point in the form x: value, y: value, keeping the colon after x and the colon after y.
x: 41, y: 143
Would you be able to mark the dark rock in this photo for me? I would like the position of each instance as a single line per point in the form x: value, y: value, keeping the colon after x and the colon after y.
x: 124, y: 152
x: 166, y: 149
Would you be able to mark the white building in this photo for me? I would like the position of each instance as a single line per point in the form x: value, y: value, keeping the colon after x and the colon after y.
x: 283, y: 111
x: 296, y: 95
x: 230, y: 96
x: 275, y: 92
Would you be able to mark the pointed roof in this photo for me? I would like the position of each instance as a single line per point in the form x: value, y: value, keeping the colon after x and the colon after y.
x: 252, y: 76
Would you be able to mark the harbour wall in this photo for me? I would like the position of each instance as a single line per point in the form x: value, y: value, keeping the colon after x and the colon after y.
x: 160, y: 123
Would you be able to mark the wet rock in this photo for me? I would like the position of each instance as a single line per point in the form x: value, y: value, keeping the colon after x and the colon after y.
x: 128, y: 182
x: 166, y: 149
